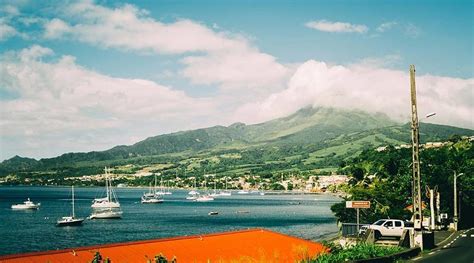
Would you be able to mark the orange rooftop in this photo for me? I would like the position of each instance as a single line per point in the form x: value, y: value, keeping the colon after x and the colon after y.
x: 255, y: 245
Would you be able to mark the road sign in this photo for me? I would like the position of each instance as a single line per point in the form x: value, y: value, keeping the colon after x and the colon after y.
x: 357, y: 204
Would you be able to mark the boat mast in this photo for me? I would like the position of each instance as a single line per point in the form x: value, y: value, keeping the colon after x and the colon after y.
x: 73, y: 214
x: 107, y: 184
x: 154, y: 188
x: 161, y: 183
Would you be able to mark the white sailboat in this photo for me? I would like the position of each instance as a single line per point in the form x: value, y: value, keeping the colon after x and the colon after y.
x: 150, y: 193
x: 193, y: 194
x: 226, y: 192
x: 70, y: 220
x: 110, y: 200
x: 152, y: 197
x: 243, y: 192
x: 192, y: 197
x: 106, y: 214
x: 205, y: 197
x: 215, y: 193
x: 27, y: 205
x: 109, y: 206
x: 167, y: 189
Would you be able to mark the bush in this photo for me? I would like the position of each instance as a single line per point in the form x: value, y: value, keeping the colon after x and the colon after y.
x: 356, y: 252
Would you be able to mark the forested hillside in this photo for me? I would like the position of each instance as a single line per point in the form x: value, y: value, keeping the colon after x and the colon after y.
x: 312, y: 140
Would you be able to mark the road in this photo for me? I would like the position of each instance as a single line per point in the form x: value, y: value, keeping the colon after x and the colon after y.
x: 459, y: 249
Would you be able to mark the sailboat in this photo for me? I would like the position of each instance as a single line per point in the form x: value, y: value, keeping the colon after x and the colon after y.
x: 70, y: 220
x: 193, y: 194
x: 226, y: 192
x: 194, y: 191
x: 109, y: 206
x: 152, y: 197
x: 206, y: 197
x: 106, y: 214
x: 215, y: 194
x: 110, y: 200
x: 167, y: 189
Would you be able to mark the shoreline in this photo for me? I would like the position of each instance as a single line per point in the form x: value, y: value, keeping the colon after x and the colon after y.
x: 267, y: 192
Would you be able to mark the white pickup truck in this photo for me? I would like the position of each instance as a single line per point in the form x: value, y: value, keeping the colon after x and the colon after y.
x: 389, y: 227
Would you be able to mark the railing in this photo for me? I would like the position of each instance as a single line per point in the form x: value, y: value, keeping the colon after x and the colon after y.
x: 350, y: 229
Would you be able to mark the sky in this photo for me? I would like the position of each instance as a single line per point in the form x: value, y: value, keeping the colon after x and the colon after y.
x: 79, y: 76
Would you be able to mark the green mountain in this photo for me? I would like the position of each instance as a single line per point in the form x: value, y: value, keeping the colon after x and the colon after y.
x: 316, y: 137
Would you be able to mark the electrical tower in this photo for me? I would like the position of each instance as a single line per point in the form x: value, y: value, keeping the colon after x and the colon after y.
x: 415, y: 136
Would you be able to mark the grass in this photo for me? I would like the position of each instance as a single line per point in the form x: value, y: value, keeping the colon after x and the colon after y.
x: 351, y: 147
x: 356, y: 252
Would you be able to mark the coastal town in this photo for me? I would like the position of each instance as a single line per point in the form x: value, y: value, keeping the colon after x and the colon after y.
x: 231, y: 131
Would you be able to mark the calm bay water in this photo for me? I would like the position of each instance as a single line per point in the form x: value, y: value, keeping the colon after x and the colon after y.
x: 306, y: 216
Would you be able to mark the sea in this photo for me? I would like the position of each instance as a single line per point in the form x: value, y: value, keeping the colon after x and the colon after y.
x: 307, y: 216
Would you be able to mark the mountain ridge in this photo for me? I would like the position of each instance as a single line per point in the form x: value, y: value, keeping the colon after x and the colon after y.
x: 310, y: 129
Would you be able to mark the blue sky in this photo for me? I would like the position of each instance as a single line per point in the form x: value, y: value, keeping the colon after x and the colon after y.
x: 221, y: 62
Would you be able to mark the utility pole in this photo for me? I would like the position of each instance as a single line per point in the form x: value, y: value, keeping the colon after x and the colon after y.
x: 432, y: 209
x: 455, y: 218
x: 415, y: 136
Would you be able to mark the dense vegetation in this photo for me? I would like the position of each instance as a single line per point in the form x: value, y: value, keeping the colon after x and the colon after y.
x: 385, y: 179
x: 356, y: 252
x: 313, y: 141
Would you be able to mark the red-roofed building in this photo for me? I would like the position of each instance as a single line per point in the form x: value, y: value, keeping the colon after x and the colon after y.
x: 254, y: 245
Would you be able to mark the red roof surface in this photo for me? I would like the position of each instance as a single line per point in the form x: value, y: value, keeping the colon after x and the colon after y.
x: 254, y: 245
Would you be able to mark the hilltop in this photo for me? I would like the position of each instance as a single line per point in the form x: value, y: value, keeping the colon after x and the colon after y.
x: 311, y: 139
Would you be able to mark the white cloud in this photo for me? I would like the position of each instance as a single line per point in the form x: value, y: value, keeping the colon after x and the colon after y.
x: 338, y: 27
x: 387, y: 61
x: 207, y: 51
x: 6, y: 31
x: 53, y: 103
x: 235, y: 70
x: 55, y: 28
x: 367, y: 88
x: 386, y: 26
x: 412, y: 31
x: 10, y: 10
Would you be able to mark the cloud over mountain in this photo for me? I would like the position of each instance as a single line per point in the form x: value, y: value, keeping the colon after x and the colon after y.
x: 374, y: 89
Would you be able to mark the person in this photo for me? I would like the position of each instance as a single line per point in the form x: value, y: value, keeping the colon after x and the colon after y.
x: 97, y: 258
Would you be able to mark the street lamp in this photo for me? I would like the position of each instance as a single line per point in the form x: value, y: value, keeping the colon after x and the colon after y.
x: 455, y: 218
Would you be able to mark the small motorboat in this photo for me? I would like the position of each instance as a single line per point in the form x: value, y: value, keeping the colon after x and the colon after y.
x: 213, y: 213
x: 27, y: 205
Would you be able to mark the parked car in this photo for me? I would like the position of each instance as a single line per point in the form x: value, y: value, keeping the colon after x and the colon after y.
x: 389, y: 227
